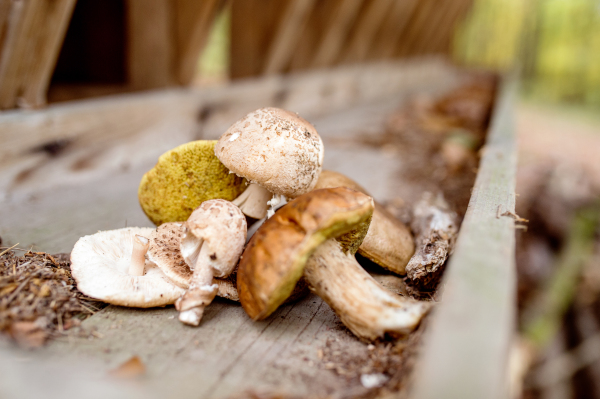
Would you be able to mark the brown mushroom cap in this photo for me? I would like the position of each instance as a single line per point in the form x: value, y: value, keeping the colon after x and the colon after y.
x: 274, y: 259
x: 275, y: 149
x: 389, y: 243
x: 100, y: 264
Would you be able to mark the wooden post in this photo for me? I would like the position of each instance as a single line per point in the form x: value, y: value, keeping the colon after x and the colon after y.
x: 34, y: 31
x: 336, y: 32
x: 194, y: 20
x: 366, y: 29
x: 150, y: 38
x: 288, y: 33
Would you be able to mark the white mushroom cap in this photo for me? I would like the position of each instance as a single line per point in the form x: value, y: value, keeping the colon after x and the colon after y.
x: 218, y: 229
x: 275, y: 149
x: 100, y: 264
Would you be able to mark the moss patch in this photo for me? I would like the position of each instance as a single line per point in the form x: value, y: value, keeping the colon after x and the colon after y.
x: 183, y: 178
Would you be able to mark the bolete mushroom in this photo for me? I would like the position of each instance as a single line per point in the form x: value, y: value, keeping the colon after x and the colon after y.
x: 102, y: 266
x: 280, y: 153
x: 182, y: 179
x: 274, y: 258
x: 389, y: 242
x: 212, y: 242
x: 270, y: 265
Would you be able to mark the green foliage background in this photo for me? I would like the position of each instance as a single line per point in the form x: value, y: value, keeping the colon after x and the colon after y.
x: 556, y: 43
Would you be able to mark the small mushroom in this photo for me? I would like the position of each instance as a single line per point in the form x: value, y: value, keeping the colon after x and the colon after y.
x: 212, y: 242
x: 101, y: 264
x: 280, y: 154
x: 182, y: 179
x: 389, y: 242
x: 274, y: 258
x: 165, y: 252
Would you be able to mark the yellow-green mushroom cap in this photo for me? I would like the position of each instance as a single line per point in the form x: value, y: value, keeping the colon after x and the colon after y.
x: 182, y: 179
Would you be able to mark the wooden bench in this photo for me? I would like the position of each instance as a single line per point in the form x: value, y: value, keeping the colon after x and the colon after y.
x: 73, y: 169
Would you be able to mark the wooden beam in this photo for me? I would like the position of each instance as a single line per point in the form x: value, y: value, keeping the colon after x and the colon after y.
x: 34, y: 31
x: 253, y: 23
x: 150, y: 38
x: 194, y: 20
x: 467, y: 344
x: 366, y: 29
x: 418, y: 22
x: 336, y: 32
x: 393, y: 28
x: 287, y: 35
x: 438, y: 21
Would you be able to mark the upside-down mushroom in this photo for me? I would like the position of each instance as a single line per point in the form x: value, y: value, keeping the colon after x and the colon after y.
x: 102, y: 266
x: 280, y: 153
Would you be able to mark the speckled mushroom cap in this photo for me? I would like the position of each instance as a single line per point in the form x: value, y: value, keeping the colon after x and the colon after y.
x: 165, y: 253
x: 182, y: 179
x: 221, y: 227
x: 275, y: 149
x: 100, y: 263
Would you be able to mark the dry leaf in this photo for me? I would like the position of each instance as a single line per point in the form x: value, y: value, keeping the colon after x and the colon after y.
x: 132, y: 368
x: 28, y: 334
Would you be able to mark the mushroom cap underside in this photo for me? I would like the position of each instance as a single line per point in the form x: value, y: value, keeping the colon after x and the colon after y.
x: 100, y: 264
x: 274, y: 148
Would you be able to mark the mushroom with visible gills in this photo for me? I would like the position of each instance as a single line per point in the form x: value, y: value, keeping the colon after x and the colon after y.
x: 280, y: 153
x: 213, y: 240
x: 101, y: 265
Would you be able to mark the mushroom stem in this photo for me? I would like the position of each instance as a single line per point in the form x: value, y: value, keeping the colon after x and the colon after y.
x: 253, y: 201
x: 138, y: 255
x: 365, y: 307
x: 201, y: 293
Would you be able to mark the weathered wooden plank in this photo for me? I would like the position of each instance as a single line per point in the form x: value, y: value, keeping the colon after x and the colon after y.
x: 467, y: 343
x: 287, y: 35
x: 194, y: 20
x: 73, y: 142
x: 33, y: 38
x: 365, y: 30
x: 340, y: 23
x: 392, y: 29
x: 150, y: 44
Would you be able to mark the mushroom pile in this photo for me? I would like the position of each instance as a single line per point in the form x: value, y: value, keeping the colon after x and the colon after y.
x: 306, y: 226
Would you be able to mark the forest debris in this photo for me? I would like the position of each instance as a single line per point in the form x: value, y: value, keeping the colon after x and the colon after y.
x: 132, y: 368
x: 435, y: 228
x: 38, y: 297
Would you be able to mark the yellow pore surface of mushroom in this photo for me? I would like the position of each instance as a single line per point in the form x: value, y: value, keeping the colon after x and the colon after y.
x: 183, y: 178
x: 274, y: 258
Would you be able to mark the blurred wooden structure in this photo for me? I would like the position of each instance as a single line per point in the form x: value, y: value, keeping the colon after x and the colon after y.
x: 354, y: 62
x: 84, y: 48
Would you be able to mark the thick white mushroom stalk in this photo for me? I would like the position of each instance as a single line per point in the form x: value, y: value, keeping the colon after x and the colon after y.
x: 138, y: 255
x: 254, y: 201
x: 213, y: 240
x: 365, y: 307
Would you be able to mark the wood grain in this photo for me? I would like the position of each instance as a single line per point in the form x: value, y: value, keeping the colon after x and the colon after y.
x: 30, y: 48
x: 467, y: 344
